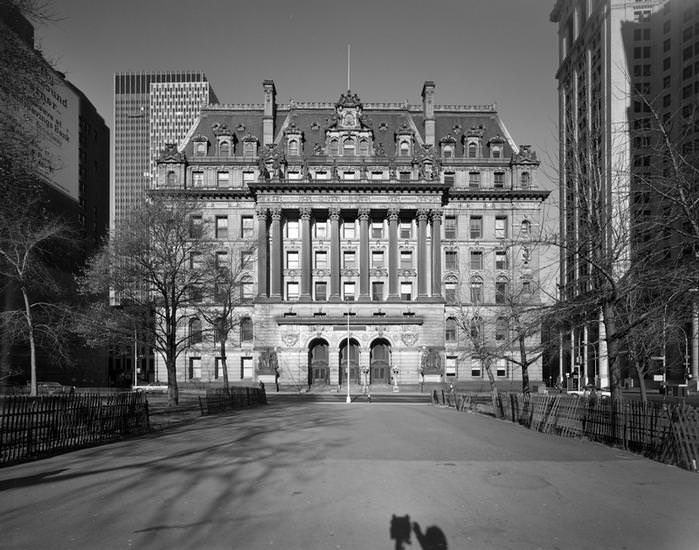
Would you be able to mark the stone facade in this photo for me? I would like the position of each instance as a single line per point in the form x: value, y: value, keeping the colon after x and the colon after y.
x: 388, y: 216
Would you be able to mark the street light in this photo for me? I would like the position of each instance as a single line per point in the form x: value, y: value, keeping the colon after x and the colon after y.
x: 347, y: 351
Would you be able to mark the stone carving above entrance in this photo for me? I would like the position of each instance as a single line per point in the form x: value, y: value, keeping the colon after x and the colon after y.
x: 409, y: 338
x: 290, y: 339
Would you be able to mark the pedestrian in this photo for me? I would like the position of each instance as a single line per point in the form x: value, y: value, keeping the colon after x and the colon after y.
x: 368, y: 396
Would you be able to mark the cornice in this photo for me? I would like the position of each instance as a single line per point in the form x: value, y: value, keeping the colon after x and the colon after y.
x: 499, y: 194
x: 351, y: 185
x: 354, y: 320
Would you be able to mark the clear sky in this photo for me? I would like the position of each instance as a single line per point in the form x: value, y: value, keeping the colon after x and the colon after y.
x: 476, y: 51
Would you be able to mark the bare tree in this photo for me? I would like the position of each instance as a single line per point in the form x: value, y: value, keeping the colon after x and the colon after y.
x: 156, y: 262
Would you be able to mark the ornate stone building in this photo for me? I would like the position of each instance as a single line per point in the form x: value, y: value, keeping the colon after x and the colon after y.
x: 385, y: 219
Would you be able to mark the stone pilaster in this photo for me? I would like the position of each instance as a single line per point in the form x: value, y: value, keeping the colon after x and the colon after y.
x: 436, y: 254
x: 364, y: 255
x: 262, y: 252
x: 275, y: 260
x: 306, y: 248
x: 335, y: 255
x: 422, y: 216
x: 393, y: 295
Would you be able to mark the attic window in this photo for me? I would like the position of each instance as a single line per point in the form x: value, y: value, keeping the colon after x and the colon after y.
x: 525, y: 180
x: 333, y: 148
x: 224, y: 149
x: 404, y: 149
x: 171, y: 178
x: 293, y: 147
x: 472, y: 150
x: 496, y: 151
x: 249, y: 149
x: 200, y: 149
x: 364, y: 148
x: 348, y: 147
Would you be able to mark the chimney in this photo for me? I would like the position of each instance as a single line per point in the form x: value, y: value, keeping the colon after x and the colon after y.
x: 268, y: 120
x: 428, y: 110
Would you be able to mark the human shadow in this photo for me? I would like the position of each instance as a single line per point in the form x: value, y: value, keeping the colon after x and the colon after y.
x: 401, y: 529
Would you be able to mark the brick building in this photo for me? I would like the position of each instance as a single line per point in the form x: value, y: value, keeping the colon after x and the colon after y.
x: 389, y: 220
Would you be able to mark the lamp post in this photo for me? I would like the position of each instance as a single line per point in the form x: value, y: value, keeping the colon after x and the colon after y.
x: 349, y: 399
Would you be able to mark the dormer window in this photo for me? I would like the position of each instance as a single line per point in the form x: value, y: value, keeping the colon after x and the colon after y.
x: 333, y: 148
x: 224, y: 148
x: 249, y: 149
x: 525, y: 180
x: 472, y: 150
x: 496, y: 151
x: 200, y: 149
x: 404, y: 148
x: 364, y: 148
x: 348, y: 147
x: 171, y: 178
x: 293, y: 147
x: 448, y: 151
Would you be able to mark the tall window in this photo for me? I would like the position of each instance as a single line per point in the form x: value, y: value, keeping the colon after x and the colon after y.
x: 501, y: 328
x: 525, y: 180
x: 450, y: 227
x: 249, y: 149
x: 293, y: 147
x: 247, y: 227
x: 499, y: 180
x: 334, y: 147
x: 348, y: 229
x: 349, y: 259
x: 221, y: 227
x: 321, y: 257
x: 448, y: 151
x: 292, y: 259
x: 195, y: 336
x: 321, y: 291
x: 501, y: 290
x: 501, y: 227
x: 404, y: 149
x: 171, y: 178
x: 475, y: 367
x: 476, y: 227
x: 377, y: 230
x: 449, y: 177
x: 222, y: 259
x: 292, y: 291
x: 194, y: 368
x: 224, y: 148
x: 405, y: 230
x: 450, y: 292
x: 450, y: 365
x: 223, y: 179
x: 348, y: 289
x: 406, y: 259
x: 321, y: 229
x: 501, y: 367
x: 476, y: 291
x: 451, y: 260
x: 472, y: 150
x: 377, y: 291
x: 474, y: 180
x: 348, y: 147
x: 246, y: 329
x: 364, y: 148
x: 450, y: 330
x: 198, y: 179
x: 200, y: 149
x: 500, y: 259
x: 476, y: 260
x: 377, y: 259
x: 292, y: 229
x: 406, y: 291
x: 196, y: 226
x: 246, y: 290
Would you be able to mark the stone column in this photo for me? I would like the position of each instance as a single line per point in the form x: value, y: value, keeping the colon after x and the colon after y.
x: 437, y: 254
x: 262, y: 244
x: 335, y: 255
x: 364, y: 255
x: 422, y: 216
x: 393, y: 295
x: 306, y: 255
x: 275, y: 260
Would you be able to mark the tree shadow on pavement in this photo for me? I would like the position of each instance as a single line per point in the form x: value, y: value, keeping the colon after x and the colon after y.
x: 401, y: 529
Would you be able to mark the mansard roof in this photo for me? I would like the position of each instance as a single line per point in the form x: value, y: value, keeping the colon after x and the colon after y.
x: 311, y: 119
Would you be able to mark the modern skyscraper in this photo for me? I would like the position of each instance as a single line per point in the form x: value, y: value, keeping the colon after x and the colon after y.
x: 624, y: 69
x: 150, y: 109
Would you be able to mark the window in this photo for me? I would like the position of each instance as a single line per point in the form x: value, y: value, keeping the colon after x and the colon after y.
x: 666, y: 63
x: 525, y: 180
x: 448, y: 151
x: 321, y: 257
x: 526, y: 228
x: 406, y: 291
x: 364, y: 148
x: 292, y: 229
x: 501, y: 367
x: 321, y: 229
x: 198, y: 179
x: 476, y: 291
x: 376, y: 175
x: 501, y: 227
x: 450, y: 227
x: 224, y: 148
x: 451, y: 260
x: 293, y: 175
x: 667, y: 100
x: 405, y: 230
x: 475, y: 367
x: 472, y: 150
x: 348, y: 148
x: 496, y: 151
x: 293, y: 147
x: 377, y: 291
x: 196, y: 226
x: 246, y: 368
x: 195, y: 336
x: 349, y: 259
x: 223, y: 179
x: 292, y: 291
x: 248, y: 176
x: 249, y: 149
x: 333, y: 148
x: 221, y: 259
x: 292, y: 259
x: 449, y: 177
x: 450, y: 330
x: 406, y: 259
x: 171, y: 178
x: 194, y: 368
x: 247, y: 228
x: 501, y: 328
x: 404, y: 176
x: 474, y: 180
x: 349, y: 175
x: 377, y: 259
x: 476, y: 227
x: 221, y: 227
x: 500, y: 259
x: 348, y: 291
x: 246, y: 290
x: 321, y: 291
x: 218, y: 367
x: 348, y: 230
x: 195, y: 260
x: 667, y: 44
x: 499, y: 180
x: 450, y: 292
x: 450, y: 366
x: 377, y: 230
x: 476, y: 260
x: 501, y: 291
x: 200, y: 149
x: 404, y: 149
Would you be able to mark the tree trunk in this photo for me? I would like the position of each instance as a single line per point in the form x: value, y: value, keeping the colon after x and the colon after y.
x: 487, y: 361
x: 641, y: 381
x: 525, y: 365
x: 612, y: 351
x: 32, y: 343
x: 224, y: 365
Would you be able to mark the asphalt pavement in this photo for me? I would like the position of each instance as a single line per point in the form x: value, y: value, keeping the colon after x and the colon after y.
x: 333, y: 476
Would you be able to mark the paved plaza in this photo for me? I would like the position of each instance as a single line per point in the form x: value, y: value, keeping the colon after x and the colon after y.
x: 331, y: 476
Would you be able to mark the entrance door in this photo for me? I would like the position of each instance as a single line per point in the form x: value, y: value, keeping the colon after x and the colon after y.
x: 380, y: 367
x: 318, y: 371
x: 353, y: 359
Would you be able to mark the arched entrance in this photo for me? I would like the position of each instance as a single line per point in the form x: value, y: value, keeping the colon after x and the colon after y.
x: 380, y: 362
x: 353, y: 359
x: 318, y: 370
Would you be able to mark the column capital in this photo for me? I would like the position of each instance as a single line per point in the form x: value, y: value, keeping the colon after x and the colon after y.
x: 393, y: 214
x: 423, y: 214
x: 334, y: 214
x: 305, y: 213
x: 364, y: 214
x: 436, y: 214
x: 276, y: 214
x: 261, y: 212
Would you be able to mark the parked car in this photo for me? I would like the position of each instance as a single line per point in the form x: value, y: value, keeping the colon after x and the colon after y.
x: 51, y: 388
x: 604, y: 392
